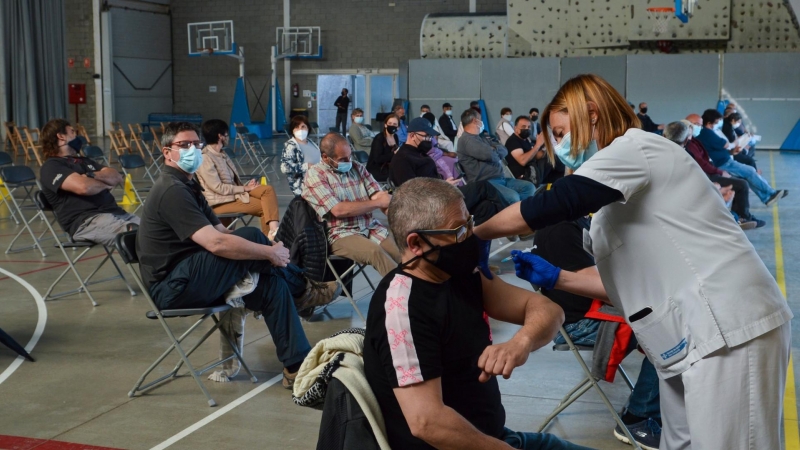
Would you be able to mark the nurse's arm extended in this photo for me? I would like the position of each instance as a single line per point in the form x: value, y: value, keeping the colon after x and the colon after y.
x: 569, y: 198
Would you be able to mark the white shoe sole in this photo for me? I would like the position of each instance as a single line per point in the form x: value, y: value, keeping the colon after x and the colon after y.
x: 625, y: 439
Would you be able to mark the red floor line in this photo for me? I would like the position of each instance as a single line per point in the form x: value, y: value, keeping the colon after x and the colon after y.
x: 21, y: 261
x: 24, y: 443
x: 54, y: 266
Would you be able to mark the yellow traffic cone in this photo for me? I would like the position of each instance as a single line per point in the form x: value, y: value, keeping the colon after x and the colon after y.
x: 264, y: 181
x: 130, y: 196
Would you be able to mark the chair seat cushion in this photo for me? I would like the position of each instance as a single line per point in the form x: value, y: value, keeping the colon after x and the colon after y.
x: 189, y: 311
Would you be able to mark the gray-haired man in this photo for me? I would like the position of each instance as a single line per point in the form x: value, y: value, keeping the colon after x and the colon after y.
x: 428, y: 353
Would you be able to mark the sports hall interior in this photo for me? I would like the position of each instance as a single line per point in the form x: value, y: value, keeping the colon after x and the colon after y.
x: 120, y: 70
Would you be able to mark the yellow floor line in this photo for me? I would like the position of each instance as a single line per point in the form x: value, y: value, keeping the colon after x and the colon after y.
x: 790, y: 424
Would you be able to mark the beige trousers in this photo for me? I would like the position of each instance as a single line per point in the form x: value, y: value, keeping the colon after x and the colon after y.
x: 383, y: 257
x: 263, y: 203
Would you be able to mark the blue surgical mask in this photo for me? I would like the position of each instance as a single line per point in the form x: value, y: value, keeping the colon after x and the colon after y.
x: 718, y: 125
x: 696, y: 130
x: 343, y: 167
x: 359, y: 119
x: 190, y: 159
x: 563, y: 151
x: 480, y: 128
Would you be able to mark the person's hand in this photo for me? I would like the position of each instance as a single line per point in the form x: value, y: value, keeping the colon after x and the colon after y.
x: 725, y: 174
x: 382, y: 198
x: 252, y: 184
x: 483, y: 262
x: 535, y: 269
x: 278, y: 255
x: 454, y: 181
x: 736, y: 150
x: 661, y: 127
x: 502, y: 359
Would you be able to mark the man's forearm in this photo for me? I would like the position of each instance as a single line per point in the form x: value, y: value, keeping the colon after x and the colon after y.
x: 350, y: 209
x: 230, y: 246
x: 109, y: 176
x: 540, y: 326
x: 94, y: 186
x: 508, y: 222
x: 449, y: 430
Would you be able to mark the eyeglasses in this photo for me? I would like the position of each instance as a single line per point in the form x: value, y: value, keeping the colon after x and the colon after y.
x: 461, y: 232
x: 186, y: 144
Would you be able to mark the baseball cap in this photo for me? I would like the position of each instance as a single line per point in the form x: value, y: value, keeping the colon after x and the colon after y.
x: 421, y: 125
x: 447, y: 105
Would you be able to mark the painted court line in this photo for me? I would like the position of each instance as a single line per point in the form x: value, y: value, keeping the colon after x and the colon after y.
x: 196, y: 426
x: 791, y: 431
x: 37, y: 333
x: 25, y: 443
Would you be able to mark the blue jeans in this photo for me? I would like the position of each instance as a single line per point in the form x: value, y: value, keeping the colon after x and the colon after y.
x: 202, y: 279
x: 757, y: 183
x: 538, y: 441
x: 513, y: 190
x: 644, y: 400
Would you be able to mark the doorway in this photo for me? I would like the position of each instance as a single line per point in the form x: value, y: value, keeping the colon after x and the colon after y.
x: 372, y: 93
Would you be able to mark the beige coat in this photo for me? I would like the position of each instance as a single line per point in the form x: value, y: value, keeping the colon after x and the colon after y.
x: 219, y: 179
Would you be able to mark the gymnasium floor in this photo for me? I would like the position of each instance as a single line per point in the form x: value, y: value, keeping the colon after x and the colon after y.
x: 88, y: 358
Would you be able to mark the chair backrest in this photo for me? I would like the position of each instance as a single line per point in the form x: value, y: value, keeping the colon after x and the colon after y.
x: 83, y: 140
x: 361, y: 156
x: 229, y: 151
x: 42, y: 202
x: 126, y: 247
x: 17, y: 174
x: 252, y: 137
x: 131, y: 161
x: 6, y: 159
x: 147, y: 136
x: 93, y: 151
x: 242, y: 130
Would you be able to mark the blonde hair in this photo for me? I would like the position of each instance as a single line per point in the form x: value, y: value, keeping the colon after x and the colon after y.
x: 614, y: 115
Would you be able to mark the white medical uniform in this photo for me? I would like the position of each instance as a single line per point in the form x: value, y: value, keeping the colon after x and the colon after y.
x: 719, y: 333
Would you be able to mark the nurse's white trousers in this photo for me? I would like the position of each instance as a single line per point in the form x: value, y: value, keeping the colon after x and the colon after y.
x: 732, y: 399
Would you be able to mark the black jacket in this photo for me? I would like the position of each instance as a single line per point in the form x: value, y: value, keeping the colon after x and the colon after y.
x: 305, y: 237
x: 380, y: 157
x: 447, y: 127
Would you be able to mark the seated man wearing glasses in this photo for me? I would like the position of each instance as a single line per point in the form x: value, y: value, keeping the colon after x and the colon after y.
x: 344, y: 195
x: 79, y: 189
x: 189, y: 260
x: 428, y: 351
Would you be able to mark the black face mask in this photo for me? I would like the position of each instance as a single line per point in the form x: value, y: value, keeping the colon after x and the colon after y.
x: 425, y: 146
x: 525, y: 134
x: 455, y: 259
x: 644, y: 110
x: 534, y: 118
x: 391, y: 129
x: 76, y: 144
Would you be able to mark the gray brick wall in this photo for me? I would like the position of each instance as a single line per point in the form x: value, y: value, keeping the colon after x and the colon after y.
x: 80, y: 45
x: 355, y: 34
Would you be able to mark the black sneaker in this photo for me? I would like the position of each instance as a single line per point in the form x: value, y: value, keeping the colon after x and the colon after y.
x: 759, y: 223
x: 646, y: 433
x: 779, y: 194
x: 747, y: 224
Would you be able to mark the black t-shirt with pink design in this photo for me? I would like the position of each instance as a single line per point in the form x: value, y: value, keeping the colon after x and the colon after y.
x: 419, y: 331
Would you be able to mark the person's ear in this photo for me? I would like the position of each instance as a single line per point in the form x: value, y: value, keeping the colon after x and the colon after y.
x: 415, y: 244
x: 592, y: 107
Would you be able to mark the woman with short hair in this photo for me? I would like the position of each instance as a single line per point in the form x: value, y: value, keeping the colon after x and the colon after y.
x: 299, y: 152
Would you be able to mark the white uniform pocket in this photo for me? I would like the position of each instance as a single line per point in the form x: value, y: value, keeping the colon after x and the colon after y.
x: 603, y: 240
x: 664, y: 335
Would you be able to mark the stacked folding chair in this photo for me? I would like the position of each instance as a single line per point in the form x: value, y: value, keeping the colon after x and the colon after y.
x: 10, y: 144
x: 22, y: 178
x: 589, y: 382
x: 153, y: 150
x: 81, y: 130
x: 265, y: 159
x: 126, y: 246
x: 43, y: 205
x: 30, y: 144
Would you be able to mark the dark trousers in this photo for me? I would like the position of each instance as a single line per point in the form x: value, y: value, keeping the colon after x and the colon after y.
x: 482, y: 200
x: 202, y: 280
x: 341, y: 118
x: 542, y: 172
x: 741, y: 199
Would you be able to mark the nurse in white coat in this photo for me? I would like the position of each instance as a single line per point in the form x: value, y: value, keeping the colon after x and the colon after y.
x: 702, y: 304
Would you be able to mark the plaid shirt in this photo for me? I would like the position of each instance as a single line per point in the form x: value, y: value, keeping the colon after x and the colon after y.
x: 324, y: 188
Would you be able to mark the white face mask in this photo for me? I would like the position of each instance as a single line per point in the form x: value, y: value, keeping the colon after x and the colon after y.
x: 301, y: 134
x: 449, y: 112
x: 507, y: 117
x: 359, y: 119
x: 480, y: 127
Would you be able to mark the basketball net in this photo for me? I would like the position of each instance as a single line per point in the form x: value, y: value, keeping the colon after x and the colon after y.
x: 660, y: 18
x: 206, y: 51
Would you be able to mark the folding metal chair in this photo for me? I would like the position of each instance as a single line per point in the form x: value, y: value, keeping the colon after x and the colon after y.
x: 126, y: 246
x: 44, y: 205
x: 241, y: 141
x: 348, y: 275
x: 22, y: 177
x: 360, y: 156
x: 234, y: 157
x: 95, y: 153
x: 7, y: 160
x: 265, y: 159
x: 130, y: 162
x: 588, y: 382
x: 153, y: 149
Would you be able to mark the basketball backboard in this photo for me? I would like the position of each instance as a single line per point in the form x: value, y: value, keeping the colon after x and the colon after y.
x: 211, y: 38
x: 298, y: 42
x: 684, y: 9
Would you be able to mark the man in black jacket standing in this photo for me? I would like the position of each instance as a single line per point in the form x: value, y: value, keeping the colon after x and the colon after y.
x: 342, y: 104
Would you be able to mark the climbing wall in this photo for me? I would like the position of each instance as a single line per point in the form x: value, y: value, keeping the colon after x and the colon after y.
x: 563, y: 28
x: 463, y: 36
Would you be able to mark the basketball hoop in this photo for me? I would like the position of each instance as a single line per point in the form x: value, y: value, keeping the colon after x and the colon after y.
x: 206, y: 51
x: 660, y: 17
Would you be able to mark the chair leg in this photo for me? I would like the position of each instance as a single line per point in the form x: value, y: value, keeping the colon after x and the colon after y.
x: 185, y: 359
x: 625, y: 377
x: 344, y: 288
x: 235, y: 349
x: 70, y: 266
x: 119, y: 271
x: 26, y: 226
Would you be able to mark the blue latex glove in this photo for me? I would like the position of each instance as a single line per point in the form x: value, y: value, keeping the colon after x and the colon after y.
x: 535, y: 269
x: 483, y: 262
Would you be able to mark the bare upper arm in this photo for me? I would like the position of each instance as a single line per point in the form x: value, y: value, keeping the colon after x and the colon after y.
x: 75, y: 183
x: 508, y: 303
x: 420, y: 402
